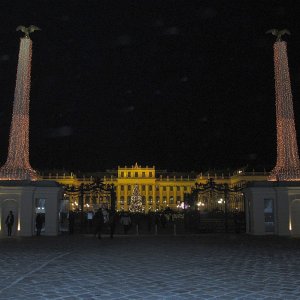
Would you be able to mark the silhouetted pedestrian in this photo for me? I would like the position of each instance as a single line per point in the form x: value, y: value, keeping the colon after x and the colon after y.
x: 149, y: 221
x: 71, y: 222
x: 237, y: 223
x: 105, y: 215
x: 125, y: 221
x: 90, y: 215
x: 163, y: 220
x: 112, y: 223
x: 156, y: 219
x: 10, y: 219
x: 98, y: 222
x: 39, y: 224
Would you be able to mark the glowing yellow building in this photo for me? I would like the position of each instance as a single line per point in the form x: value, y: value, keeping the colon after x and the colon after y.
x: 158, y: 189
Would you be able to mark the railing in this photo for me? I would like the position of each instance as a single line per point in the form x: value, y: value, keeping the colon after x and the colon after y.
x: 230, y: 175
x: 73, y: 176
x: 201, y: 176
x: 92, y: 178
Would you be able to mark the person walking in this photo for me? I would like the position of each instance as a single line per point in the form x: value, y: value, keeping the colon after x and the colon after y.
x: 90, y: 216
x: 105, y: 216
x: 125, y: 221
x: 112, y: 223
x: 39, y: 224
x: 10, y: 219
x: 163, y: 220
x: 98, y: 222
x: 149, y: 221
x: 71, y: 221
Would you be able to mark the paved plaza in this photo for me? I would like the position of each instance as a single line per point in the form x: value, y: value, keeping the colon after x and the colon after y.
x: 150, y: 267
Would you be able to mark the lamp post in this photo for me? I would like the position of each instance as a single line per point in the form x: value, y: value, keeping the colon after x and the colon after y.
x: 81, y: 203
x: 226, y: 190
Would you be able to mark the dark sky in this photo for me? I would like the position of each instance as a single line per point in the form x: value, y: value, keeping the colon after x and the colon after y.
x: 182, y: 85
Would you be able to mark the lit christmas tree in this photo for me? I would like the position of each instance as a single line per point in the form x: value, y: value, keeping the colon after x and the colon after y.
x: 136, y: 204
x: 288, y: 165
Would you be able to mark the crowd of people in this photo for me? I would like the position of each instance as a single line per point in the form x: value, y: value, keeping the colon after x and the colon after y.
x: 103, y: 220
x: 106, y: 221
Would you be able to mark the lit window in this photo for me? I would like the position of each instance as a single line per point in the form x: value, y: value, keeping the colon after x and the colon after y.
x: 40, y: 205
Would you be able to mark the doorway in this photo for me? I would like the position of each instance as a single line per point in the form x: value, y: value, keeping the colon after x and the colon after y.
x: 7, y: 206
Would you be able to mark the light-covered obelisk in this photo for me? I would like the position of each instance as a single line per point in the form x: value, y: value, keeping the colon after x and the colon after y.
x: 288, y: 165
x: 17, y: 166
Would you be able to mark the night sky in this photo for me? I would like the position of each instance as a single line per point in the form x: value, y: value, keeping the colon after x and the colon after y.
x: 182, y: 85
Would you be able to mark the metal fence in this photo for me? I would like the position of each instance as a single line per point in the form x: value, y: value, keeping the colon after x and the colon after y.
x: 170, y: 223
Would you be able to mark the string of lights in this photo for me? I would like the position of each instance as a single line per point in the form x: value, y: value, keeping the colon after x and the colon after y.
x: 288, y: 165
x: 17, y: 166
x: 136, y: 204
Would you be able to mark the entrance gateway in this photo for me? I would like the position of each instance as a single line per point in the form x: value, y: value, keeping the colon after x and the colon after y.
x: 26, y: 199
x: 273, y: 208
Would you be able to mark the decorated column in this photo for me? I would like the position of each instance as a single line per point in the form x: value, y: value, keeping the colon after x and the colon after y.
x: 17, y: 166
x: 288, y: 165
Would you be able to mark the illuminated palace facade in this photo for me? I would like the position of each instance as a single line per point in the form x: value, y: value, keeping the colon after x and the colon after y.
x: 158, y: 189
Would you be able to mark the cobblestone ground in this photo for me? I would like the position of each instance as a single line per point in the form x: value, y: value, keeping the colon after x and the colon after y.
x: 150, y: 267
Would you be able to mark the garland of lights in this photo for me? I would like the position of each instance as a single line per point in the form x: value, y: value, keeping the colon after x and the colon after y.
x: 136, y: 204
x: 288, y: 165
x: 17, y: 166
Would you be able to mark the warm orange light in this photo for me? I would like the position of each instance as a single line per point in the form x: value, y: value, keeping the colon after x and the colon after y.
x: 288, y: 165
x: 17, y: 166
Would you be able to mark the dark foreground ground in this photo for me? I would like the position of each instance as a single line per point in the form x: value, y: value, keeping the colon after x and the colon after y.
x: 150, y: 267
